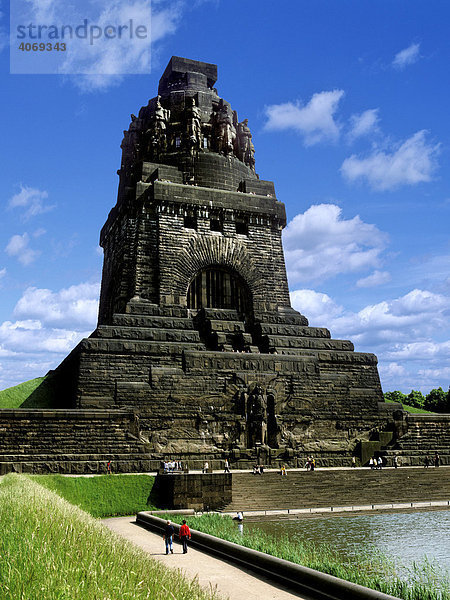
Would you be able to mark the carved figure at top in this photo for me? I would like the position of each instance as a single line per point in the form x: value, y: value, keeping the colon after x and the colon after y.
x: 224, y: 129
x: 157, y: 131
x: 194, y: 125
x: 245, y: 147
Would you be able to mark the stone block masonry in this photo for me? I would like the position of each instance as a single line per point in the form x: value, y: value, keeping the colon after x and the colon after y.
x: 198, y: 354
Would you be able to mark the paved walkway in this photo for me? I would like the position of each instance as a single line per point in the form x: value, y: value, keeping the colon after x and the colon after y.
x: 231, y: 581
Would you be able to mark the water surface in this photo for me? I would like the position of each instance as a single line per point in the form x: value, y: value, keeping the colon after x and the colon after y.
x: 407, y: 537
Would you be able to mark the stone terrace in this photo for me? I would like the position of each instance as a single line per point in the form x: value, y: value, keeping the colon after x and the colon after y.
x: 340, y: 487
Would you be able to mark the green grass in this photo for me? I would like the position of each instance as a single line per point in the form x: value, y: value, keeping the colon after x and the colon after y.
x: 53, y: 550
x: 103, y: 495
x: 373, y: 570
x: 412, y: 409
x: 13, y: 397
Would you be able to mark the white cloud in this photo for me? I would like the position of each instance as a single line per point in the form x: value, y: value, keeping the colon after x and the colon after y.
x: 363, y: 124
x: 391, y: 370
x: 72, y: 307
x: 319, y: 244
x: 111, y: 60
x: 377, y: 278
x: 319, y: 308
x: 402, y: 332
x: 2, y: 273
x: 413, y: 161
x: 31, y: 200
x: 315, y: 120
x: 29, y: 337
x: 407, y: 56
x: 48, y: 326
x: 18, y: 247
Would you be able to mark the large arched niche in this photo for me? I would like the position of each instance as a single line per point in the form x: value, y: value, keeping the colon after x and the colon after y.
x: 218, y: 286
x: 218, y: 253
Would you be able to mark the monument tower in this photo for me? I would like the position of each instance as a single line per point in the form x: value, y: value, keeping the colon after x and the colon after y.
x: 196, y: 333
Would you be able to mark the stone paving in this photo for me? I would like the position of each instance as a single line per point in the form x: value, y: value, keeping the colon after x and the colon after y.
x: 230, y: 581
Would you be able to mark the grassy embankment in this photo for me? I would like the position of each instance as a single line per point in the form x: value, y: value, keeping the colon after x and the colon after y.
x: 104, y: 495
x: 14, y: 397
x: 413, y: 409
x: 373, y: 570
x: 54, y: 550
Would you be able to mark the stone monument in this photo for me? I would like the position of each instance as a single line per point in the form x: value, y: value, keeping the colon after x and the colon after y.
x: 198, y: 355
x: 196, y: 332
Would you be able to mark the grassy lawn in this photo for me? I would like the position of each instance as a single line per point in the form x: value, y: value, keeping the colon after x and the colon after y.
x: 53, y: 550
x: 103, y: 495
x: 13, y: 397
x: 412, y: 409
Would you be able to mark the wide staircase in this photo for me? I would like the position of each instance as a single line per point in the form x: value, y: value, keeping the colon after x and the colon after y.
x: 301, y: 489
x: 426, y: 435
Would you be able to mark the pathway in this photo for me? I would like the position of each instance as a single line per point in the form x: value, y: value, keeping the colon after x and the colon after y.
x: 231, y: 581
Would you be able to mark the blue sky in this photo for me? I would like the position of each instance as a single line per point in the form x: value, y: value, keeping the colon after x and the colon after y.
x: 348, y: 105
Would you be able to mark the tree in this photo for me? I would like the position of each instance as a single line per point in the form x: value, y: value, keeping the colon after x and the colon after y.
x: 395, y: 396
x: 416, y: 399
x: 437, y: 401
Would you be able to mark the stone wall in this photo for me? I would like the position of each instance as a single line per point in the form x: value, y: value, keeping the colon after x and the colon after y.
x: 70, y: 441
x: 208, y: 491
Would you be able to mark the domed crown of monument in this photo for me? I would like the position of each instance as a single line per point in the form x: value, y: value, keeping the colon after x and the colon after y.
x: 189, y: 126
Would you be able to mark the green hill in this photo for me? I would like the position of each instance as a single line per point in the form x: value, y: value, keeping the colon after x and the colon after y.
x: 412, y: 409
x: 35, y: 393
x: 14, y: 396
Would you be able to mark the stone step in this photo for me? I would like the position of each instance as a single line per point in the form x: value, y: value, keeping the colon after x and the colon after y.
x: 153, y: 321
x: 272, y: 341
x: 219, y: 314
x: 215, y: 326
x: 289, y: 317
x: 337, y: 488
x: 150, y: 334
x: 283, y: 329
x: 141, y: 307
x: 161, y: 349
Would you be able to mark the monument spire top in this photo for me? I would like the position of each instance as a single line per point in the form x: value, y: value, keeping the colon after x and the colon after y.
x: 184, y: 73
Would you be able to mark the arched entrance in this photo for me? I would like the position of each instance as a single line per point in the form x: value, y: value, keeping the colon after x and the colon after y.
x: 218, y: 287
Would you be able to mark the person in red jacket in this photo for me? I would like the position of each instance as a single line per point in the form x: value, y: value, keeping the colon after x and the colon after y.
x: 184, y: 534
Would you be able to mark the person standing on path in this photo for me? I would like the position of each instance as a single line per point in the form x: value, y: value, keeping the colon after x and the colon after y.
x: 168, y: 537
x: 184, y: 534
x: 437, y: 459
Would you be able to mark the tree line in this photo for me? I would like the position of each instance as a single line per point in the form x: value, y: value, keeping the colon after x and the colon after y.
x: 436, y: 401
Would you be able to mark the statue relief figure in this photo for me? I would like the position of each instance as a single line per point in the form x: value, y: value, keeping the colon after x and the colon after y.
x: 246, y: 149
x: 257, y: 417
x: 194, y: 125
x: 224, y: 130
x: 158, y: 129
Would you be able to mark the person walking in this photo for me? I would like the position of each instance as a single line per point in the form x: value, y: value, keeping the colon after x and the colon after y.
x: 205, y: 468
x: 185, y: 534
x: 227, y: 466
x: 168, y: 537
x: 426, y: 462
x: 283, y: 471
x: 437, y: 459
